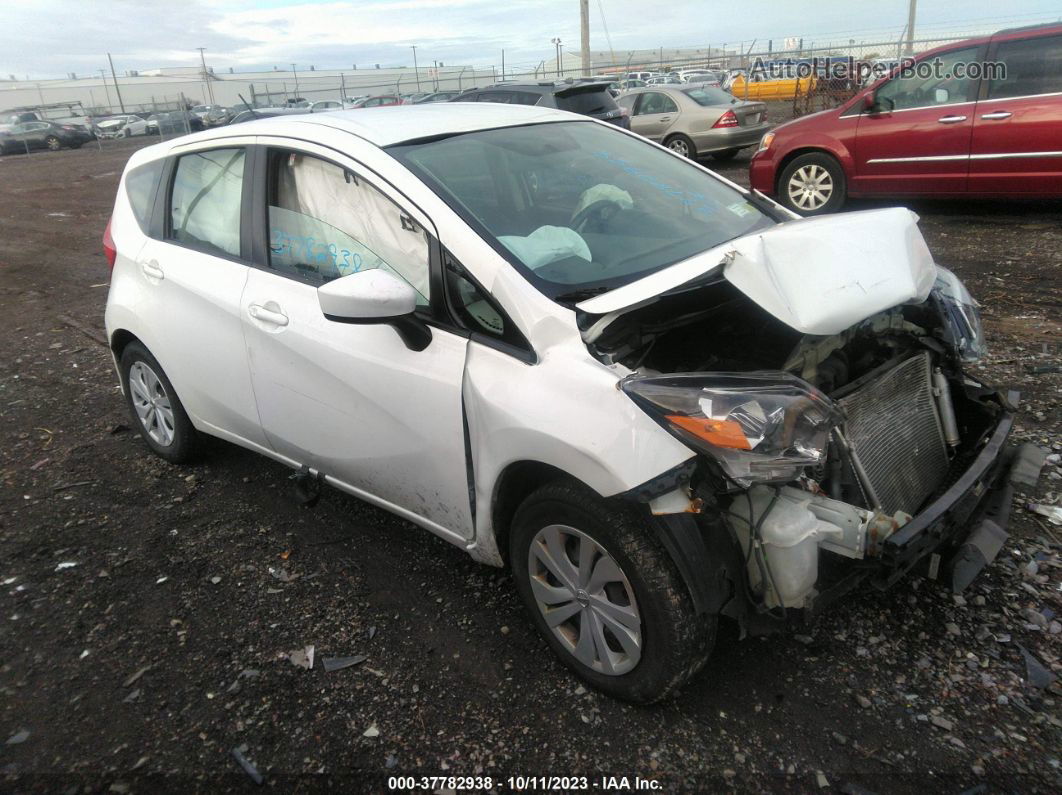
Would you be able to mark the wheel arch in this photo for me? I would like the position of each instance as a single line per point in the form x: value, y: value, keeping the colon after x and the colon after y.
x: 516, y: 482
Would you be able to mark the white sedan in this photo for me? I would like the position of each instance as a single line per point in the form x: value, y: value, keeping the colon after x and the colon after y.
x: 122, y: 127
x: 659, y: 399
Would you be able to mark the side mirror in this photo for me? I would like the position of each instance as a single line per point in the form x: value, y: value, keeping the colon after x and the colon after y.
x: 375, y: 296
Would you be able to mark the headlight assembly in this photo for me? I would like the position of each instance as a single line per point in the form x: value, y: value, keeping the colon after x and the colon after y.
x: 759, y: 427
x: 962, y: 318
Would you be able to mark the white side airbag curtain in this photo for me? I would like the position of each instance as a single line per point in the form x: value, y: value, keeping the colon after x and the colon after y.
x: 319, y: 189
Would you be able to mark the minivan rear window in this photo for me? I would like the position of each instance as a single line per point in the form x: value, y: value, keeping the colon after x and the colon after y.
x: 140, y: 185
x: 588, y: 103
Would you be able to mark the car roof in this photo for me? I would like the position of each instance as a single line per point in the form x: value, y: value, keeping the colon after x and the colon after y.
x: 398, y: 123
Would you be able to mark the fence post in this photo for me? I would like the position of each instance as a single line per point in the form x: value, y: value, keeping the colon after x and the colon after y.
x: 342, y: 89
x: 184, y: 115
x: 254, y: 99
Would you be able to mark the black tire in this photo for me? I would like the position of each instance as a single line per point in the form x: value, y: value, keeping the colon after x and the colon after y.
x: 185, y: 443
x: 726, y: 154
x: 681, y: 144
x: 792, y: 173
x: 675, y: 640
x: 53, y: 143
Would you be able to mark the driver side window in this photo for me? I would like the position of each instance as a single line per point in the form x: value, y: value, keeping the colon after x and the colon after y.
x: 939, y: 88
x: 326, y: 222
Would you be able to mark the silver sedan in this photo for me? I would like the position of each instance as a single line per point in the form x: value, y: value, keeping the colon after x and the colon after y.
x: 696, y: 120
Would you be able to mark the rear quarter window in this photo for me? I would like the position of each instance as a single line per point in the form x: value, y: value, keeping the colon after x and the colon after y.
x: 140, y: 186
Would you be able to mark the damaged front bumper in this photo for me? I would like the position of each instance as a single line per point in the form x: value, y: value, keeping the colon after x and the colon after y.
x: 951, y: 539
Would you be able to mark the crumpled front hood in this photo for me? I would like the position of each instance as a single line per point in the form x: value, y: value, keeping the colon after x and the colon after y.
x: 818, y: 275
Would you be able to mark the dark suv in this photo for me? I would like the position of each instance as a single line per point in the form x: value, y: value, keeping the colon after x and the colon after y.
x: 589, y: 98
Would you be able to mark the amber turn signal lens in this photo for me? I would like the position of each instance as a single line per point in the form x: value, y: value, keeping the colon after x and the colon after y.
x: 721, y: 433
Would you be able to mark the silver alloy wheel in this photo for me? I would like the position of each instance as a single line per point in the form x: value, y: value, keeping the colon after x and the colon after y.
x: 679, y: 146
x: 810, y: 187
x: 151, y: 403
x: 586, y: 599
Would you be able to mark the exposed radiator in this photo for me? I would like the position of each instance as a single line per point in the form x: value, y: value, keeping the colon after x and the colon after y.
x: 895, y: 429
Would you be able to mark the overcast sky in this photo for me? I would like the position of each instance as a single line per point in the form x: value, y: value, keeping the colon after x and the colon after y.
x: 48, y: 38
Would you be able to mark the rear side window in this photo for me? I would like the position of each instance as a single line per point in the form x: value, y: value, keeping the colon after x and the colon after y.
x: 587, y: 102
x: 140, y: 185
x: 206, y: 199
x: 1034, y: 66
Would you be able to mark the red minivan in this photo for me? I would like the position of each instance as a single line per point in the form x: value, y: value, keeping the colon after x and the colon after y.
x: 934, y: 134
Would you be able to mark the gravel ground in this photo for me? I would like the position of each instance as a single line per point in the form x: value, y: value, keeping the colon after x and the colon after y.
x: 151, y: 612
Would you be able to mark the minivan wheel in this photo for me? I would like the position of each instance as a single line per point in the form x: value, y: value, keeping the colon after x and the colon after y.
x: 813, y: 184
x: 682, y: 145
x: 53, y: 143
x: 605, y: 595
x: 157, y: 411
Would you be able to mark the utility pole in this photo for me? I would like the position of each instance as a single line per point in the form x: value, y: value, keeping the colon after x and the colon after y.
x: 206, y: 76
x: 584, y: 33
x: 910, y: 25
x: 556, y: 42
x: 503, y: 65
x: 415, y: 71
x: 296, y: 81
x: 115, y: 78
x: 106, y: 90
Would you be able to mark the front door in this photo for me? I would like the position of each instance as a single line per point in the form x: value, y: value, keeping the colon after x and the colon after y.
x: 916, y: 140
x: 1017, y: 134
x: 654, y: 113
x: 352, y: 400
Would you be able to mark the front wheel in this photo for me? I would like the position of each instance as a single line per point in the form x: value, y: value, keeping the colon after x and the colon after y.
x: 681, y: 145
x: 813, y: 184
x: 605, y: 595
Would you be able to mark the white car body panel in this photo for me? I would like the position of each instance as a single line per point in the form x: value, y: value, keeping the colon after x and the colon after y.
x: 319, y: 386
x: 818, y: 275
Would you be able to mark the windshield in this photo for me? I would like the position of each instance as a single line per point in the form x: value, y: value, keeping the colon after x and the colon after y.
x: 709, y: 95
x: 578, y: 207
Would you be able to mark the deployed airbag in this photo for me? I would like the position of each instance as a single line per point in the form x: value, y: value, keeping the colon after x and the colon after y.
x: 547, y: 244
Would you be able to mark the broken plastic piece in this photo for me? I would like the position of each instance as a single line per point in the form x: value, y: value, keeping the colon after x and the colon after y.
x: 339, y: 663
x: 302, y: 657
x: 1053, y: 513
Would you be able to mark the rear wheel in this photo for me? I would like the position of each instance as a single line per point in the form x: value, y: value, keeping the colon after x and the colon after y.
x: 53, y: 143
x: 726, y: 154
x: 159, y: 415
x: 813, y: 184
x: 605, y: 595
x: 682, y: 145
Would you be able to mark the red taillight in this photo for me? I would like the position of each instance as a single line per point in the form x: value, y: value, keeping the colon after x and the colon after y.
x: 728, y: 119
x: 109, y: 251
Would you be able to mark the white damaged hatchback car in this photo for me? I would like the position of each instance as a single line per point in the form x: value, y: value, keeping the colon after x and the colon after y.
x: 658, y: 398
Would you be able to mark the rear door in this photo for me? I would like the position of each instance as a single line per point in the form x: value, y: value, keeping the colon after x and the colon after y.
x: 653, y: 114
x: 190, y: 276
x: 917, y: 139
x: 1017, y: 133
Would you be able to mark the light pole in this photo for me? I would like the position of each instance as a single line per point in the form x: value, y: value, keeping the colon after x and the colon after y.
x: 206, y: 75
x: 414, y: 46
x: 556, y: 42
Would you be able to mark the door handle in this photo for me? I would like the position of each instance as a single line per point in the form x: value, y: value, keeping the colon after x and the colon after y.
x: 152, y: 269
x: 999, y: 114
x: 259, y: 312
x: 951, y: 119
x: 665, y: 119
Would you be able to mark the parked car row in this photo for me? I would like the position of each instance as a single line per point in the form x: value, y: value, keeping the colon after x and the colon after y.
x: 24, y: 136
